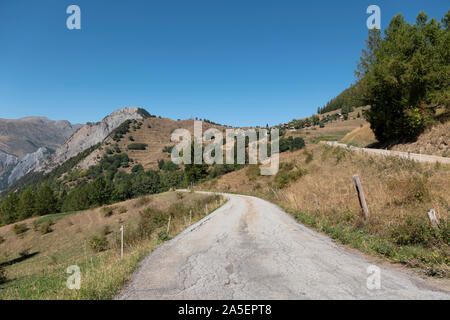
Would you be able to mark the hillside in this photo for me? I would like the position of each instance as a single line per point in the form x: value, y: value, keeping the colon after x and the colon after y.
x: 90, y: 135
x: 35, y: 260
x: 332, y: 130
x: 435, y: 140
x: 154, y: 132
x: 360, y: 137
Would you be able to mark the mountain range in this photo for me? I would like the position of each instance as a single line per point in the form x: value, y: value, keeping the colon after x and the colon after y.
x: 39, y: 144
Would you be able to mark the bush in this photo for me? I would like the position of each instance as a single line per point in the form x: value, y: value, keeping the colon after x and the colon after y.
x: 287, y: 174
x: 137, y: 146
x: 25, y: 252
x: 107, y: 211
x: 46, y: 227
x: 137, y: 168
x: 106, y: 230
x: 20, y: 228
x: 99, y: 244
x: 180, y: 195
x: 122, y: 210
x: 2, y: 275
x: 2, y: 239
x: 163, y: 236
x: 415, y: 230
x: 412, y: 189
x: 131, y: 138
x: 253, y: 172
x: 35, y: 225
x: 168, y: 149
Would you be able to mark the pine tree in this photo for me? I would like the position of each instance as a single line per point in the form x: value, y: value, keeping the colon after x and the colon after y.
x: 368, y: 60
x: 26, y: 206
x: 46, y: 201
x: 8, y: 208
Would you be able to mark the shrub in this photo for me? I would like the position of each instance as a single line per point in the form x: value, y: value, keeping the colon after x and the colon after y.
x: 46, y: 227
x: 415, y: 230
x: 24, y: 252
x: 252, y: 172
x: 137, y: 146
x: 98, y: 244
x: 122, y: 210
x: 444, y: 231
x: 2, y: 239
x: 2, y: 275
x: 35, y: 225
x: 131, y: 138
x: 180, y: 195
x: 309, y: 157
x: 107, y: 211
x: 163, y: 236
x: 287, y: 174
x: 412, y: 189
x: 168, y: 149
x: 137, y: 168
x: 106, y: 230
x: 20, y: 228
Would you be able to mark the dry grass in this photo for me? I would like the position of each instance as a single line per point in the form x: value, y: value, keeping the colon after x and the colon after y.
x: 154, y: 132
x: 399, y: 193
x: 360, y: 137
x: 40, y: 271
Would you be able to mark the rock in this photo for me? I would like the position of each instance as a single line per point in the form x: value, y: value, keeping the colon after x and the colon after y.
x: 28, y: 163
x: 90, y: 135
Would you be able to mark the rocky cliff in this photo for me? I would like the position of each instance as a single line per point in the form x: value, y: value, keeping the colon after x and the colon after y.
x: 28, y: 163
x: 7, y: 164
x: 90, y: 135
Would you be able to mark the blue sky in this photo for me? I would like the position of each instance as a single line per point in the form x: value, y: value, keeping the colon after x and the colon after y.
x: 238, y: 62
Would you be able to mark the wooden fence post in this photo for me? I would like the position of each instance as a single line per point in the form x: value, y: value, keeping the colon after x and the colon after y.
x: 316, y: 201
x: 432, y: 216
x: 121, y: 242
x: 168, y: 225
x: 296, y: 203
x: 361, y: 197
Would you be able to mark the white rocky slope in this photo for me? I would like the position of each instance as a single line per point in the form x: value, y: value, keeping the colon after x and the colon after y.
x: 7, y: 164
x: 88, y: 136
x: 28, y: 163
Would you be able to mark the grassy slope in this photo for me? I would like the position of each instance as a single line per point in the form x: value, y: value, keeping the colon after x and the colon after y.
x: 42, y: 273
x: 399, y: 193
x: 154, y: 132
x: 360, y: 137
x: 332, y: 131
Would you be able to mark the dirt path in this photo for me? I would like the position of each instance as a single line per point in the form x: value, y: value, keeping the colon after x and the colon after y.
x: 251, y: 249
x: 381, y: 152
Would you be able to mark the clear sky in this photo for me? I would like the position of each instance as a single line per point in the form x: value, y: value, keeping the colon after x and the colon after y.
x: 237, y: 62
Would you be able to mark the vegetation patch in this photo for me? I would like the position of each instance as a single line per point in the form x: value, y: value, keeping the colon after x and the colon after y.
x: 20, y: 228
x: 137, y: 146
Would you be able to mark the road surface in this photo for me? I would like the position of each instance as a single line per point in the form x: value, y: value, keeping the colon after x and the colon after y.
x: 251, y: 249
x: 401, y: 154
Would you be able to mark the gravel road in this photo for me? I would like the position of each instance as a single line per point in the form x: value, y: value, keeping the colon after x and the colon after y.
x: 251, y: 249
